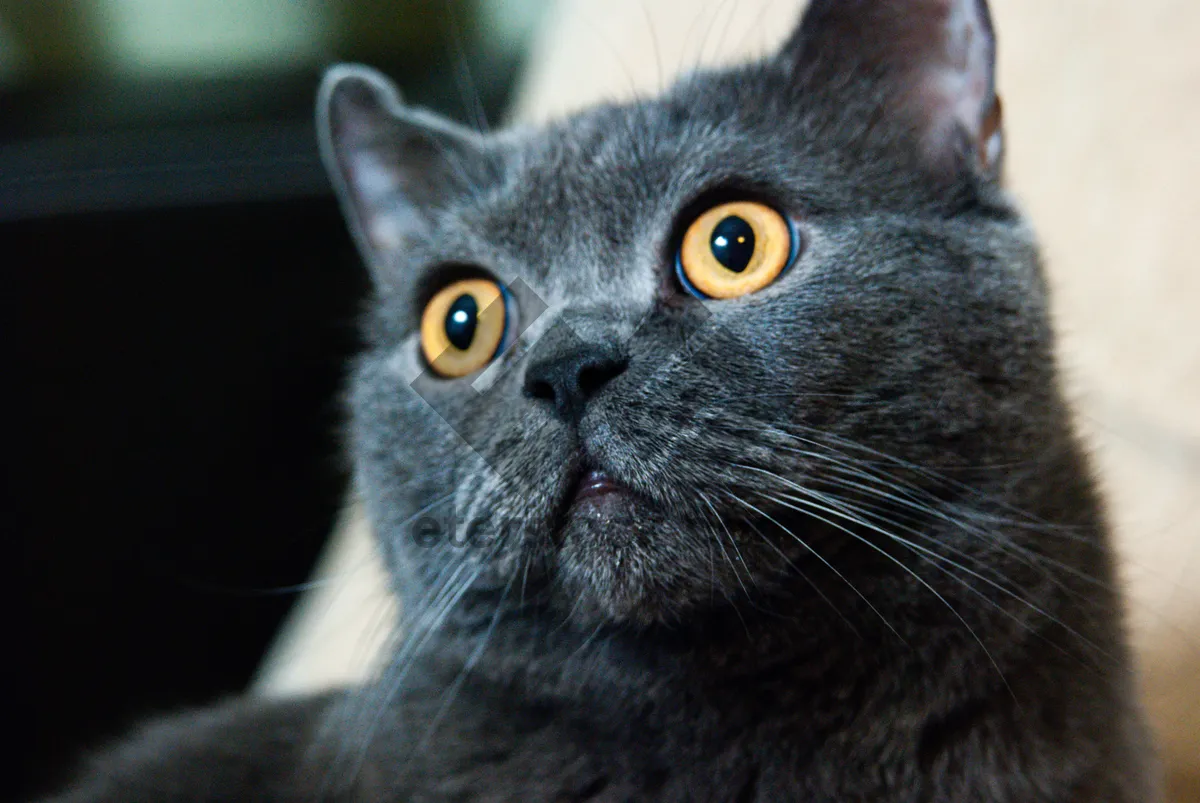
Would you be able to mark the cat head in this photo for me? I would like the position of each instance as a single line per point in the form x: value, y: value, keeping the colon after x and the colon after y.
x: 661, y: 356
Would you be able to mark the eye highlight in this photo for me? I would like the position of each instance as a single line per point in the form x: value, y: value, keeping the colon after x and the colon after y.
x: 735, y: 249
x: 463, y: 326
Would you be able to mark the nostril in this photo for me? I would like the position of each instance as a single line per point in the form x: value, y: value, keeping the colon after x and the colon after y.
x: 568, y: 378
x: 597, y: 375
x: 541, y: 389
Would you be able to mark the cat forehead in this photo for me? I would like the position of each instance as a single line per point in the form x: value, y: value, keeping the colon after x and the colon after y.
x: 615, y: 175
x: 753, y: 126
x: 601, y: 192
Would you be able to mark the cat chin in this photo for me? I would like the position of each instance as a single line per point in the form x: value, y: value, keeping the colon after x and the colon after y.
x: 622, y: 561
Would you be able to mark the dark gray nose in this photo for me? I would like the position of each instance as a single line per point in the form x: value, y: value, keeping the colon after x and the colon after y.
x: 568, y: 377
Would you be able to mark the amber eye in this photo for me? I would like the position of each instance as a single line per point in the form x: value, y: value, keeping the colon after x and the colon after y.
x: 734, y: 249
x: 463, y: 326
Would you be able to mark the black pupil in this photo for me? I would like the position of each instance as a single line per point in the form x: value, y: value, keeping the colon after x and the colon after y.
x: 461, y: 319
x: 733, y: 243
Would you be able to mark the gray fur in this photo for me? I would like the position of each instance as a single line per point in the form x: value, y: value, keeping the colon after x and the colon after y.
x: 743, y: 625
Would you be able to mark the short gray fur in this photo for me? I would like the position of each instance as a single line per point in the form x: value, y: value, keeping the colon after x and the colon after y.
x: 860, y: 556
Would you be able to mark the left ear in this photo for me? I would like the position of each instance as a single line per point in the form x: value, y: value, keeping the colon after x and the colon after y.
x: 392, y: 166
x: 934, y: 61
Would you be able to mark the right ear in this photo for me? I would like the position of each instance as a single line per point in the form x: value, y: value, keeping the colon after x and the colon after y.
x: 929, y: 62
x: 391, y: 166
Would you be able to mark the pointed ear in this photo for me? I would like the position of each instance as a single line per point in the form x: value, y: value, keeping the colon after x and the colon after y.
x: 391, y: 166
x: 933, y: 61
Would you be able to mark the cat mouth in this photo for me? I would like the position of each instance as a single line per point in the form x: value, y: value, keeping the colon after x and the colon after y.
x: 594, y: 485
x: 592, y: 495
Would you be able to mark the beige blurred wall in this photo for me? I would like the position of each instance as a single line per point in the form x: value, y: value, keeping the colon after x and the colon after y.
x: 1103, y: 119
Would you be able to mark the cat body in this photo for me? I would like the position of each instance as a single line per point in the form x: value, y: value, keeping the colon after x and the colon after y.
x: 828, y: 539
x: 833, y: 731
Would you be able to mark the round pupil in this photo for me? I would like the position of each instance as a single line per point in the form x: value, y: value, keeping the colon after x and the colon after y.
x: 461, y: 319
x: 733, y: 243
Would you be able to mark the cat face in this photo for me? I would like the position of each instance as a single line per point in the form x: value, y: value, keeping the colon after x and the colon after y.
x: 663, y: 356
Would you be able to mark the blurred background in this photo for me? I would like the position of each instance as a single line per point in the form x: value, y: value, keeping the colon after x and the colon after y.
x: 180, y: 302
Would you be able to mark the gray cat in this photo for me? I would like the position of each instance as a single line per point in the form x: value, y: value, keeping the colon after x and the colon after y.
x: 717, y: 451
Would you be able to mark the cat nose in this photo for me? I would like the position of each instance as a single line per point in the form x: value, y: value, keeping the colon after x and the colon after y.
x: 570, y: 377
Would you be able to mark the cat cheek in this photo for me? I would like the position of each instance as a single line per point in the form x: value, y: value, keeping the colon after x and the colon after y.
x: 404, y: 365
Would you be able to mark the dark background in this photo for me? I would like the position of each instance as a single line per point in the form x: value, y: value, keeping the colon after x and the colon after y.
x: 180, y: 304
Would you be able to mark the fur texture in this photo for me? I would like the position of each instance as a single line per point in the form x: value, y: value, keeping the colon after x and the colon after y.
x: 855, y: 555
